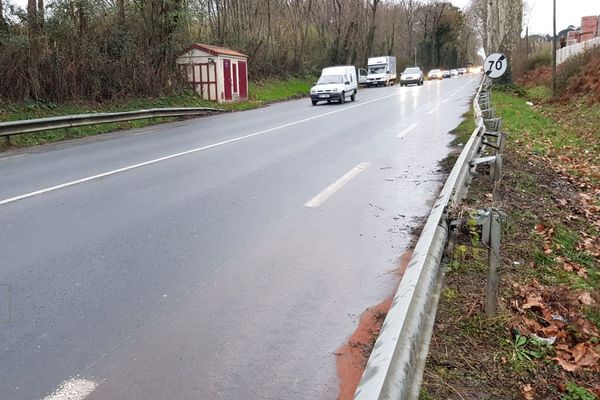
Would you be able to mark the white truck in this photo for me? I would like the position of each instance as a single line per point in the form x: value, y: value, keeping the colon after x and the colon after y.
x: 381, y: 71
x: 335, y: 84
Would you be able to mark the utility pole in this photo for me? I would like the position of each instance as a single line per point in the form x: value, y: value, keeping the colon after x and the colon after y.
x: 415, y: 56
x: 554, y: 48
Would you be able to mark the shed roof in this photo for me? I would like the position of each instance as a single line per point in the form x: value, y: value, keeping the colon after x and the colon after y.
x: 216, y: 50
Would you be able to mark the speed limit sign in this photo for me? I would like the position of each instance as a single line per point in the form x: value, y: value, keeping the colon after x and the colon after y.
x: 495, y: 65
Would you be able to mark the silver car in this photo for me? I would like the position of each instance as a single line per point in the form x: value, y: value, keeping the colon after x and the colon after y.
x: 411, y: 75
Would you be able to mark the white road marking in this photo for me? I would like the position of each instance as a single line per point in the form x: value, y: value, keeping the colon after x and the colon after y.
x: 73, y: 389
x: 445, y: 101
x: 180, y: 154
x: 407, y: 130
x: 434, y: 110
x: 15, y: 156
x: 335, y: 186
x: 143, y: 132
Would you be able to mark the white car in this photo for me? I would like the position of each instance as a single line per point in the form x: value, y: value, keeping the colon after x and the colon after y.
x: 335, y: 84
x: 435, y: 74
x: 453, y: 72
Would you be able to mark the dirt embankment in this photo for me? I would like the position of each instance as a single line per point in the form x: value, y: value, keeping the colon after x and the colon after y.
x: 577, y: 77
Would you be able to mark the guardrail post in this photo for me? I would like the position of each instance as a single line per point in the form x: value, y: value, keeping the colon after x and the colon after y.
x: 7, y: 140
x: 491, y: 237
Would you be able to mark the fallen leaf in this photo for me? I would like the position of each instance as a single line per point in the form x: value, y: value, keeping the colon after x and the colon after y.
x: 527, y: 392
x: 567, y: 366
x: 586, y: 298
x: 584, y: 355
x: 533, y: 301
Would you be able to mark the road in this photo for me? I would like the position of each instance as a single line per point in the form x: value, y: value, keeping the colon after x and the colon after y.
x: 225, y: 257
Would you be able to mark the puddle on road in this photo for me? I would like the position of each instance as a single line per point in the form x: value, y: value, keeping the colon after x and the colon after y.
x: 353, y: 355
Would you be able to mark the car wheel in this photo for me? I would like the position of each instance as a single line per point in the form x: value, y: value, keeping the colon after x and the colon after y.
x: 314, y: 102
x: 343, y: 98
x: 353, y: 97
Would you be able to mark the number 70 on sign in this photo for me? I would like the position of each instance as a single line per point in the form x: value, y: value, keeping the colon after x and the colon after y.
x: 495, y: 65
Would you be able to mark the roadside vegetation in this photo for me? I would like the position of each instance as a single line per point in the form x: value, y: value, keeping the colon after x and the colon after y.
x: 261, y: 93
x: 544, y: 343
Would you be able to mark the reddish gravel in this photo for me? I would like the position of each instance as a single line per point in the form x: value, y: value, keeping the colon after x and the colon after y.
x: 352, y: 356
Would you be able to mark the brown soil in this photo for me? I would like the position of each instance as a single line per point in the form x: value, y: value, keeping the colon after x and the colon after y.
x: 541, y: 76
x: 582, y: 77
x: 352, y: 356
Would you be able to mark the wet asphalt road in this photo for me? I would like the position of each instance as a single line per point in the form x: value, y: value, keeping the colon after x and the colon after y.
x: 231, y: 270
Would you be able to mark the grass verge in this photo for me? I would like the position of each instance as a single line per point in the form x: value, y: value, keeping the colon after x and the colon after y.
x: 549, y: 281
x: 261, y: 93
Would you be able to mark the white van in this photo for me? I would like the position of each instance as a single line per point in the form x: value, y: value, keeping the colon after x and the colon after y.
x: 335, y: 83
x: 382, y: 71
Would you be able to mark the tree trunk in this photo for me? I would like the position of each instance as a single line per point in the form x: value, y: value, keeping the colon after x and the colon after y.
x: 40, y: 15
x: 3, y: 23
x: 121, y: 10
x: 34, y: 49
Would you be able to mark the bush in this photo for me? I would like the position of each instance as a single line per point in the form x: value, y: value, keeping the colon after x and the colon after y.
x: 542, y: 58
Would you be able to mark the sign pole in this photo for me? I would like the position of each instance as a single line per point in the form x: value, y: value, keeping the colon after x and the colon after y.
x: 554, y: 48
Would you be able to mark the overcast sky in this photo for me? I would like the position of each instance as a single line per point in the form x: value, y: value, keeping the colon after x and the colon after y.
x: 539, y: 13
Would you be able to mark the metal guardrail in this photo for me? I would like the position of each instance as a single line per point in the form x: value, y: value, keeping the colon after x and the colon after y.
x: 395, y: 368
x: 11, y: 128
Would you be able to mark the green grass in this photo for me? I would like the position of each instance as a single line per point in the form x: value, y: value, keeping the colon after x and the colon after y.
x: 275, y: 90
x: 260, y: 93
x: 539, y: 93
x: 528, y: 125
x: 464, y: 131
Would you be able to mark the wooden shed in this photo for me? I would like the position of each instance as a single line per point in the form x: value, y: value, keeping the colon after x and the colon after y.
x: 216, y: 73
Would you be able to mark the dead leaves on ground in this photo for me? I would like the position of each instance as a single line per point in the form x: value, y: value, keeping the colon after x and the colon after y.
x: 553, y: 313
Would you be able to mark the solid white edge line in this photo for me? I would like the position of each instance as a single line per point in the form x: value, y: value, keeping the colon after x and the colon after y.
x: 407, y: 130
x: 335, y: 186
x: 73, y: 389
x: 15, y: 156
x: 183, y: 153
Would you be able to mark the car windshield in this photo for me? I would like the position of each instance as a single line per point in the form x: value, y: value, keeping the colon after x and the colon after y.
x: 412, y: 71
x: 434, y: 71
x: 329, y: 79
x: 377, y: 69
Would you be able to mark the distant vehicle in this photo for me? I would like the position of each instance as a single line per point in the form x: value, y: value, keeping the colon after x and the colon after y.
x: 411, y: 75
x: 381, y: 71
x: 435, y: 74
x: 335, y: 83
x: 462, y: 71
x: 446, y: 73
x: 453, y: 72
x: 362, y: 76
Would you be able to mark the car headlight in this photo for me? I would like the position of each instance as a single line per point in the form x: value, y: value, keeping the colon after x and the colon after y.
x: 335, y: 90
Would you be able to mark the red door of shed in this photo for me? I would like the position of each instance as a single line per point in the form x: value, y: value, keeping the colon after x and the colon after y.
x: 227, y: 78
x: 243, y: 79
x: 235, y: 78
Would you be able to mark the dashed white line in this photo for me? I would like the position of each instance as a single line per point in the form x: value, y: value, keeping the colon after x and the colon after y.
x: 335, y: 186
x: 180, y: 154
x: 434, y: 110
x: 407, y: 130
x: 73, y: 389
